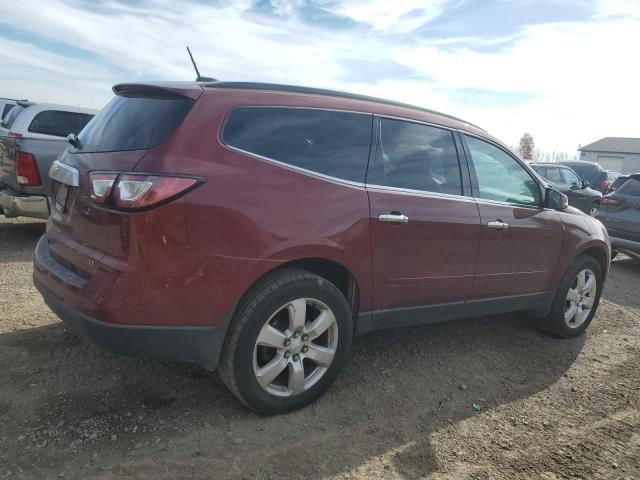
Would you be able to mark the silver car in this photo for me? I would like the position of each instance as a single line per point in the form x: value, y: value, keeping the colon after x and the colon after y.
x: 32, y: 136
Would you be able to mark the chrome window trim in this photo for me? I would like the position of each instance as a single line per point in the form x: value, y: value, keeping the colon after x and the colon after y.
x: 422, y: 193
x: 510, y: 204
x: 421, y: 122
x: 304, y: 171
x: 63, y: 173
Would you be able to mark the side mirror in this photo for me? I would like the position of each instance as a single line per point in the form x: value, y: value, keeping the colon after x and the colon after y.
x: 575, y: 186
x: 555, y: 200
x: 585, y: 184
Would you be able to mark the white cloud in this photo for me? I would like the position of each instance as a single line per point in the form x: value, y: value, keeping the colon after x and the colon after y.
x: 398, y: 16
x: 582, y: 77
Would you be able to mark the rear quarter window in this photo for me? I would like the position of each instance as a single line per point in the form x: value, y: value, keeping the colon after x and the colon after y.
x: 323, y: 141
x: 58, y: 123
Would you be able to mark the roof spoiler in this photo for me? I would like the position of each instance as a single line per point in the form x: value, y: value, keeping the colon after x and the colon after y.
x: 182, y: 89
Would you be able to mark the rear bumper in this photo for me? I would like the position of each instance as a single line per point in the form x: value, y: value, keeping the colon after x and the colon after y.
x: 201, y: 345
x: 16, y: 204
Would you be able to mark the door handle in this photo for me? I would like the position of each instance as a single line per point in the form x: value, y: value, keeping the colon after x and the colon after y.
x: 394, y: 218
x: 498, y: 225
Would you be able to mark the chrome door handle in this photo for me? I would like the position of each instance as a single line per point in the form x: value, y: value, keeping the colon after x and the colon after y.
x: 498, y: 225
x: 394, y: 218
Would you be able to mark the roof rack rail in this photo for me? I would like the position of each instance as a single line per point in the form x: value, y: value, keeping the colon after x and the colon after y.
x: 329, y: 93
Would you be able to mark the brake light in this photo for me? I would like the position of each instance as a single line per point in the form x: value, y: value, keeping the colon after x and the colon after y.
x: 604, y: 185
x: 27, y: 172
x: 137, y: 191
x: 14, y: 135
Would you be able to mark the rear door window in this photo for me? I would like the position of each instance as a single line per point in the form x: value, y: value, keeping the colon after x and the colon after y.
x: 416, y: 157
x: 324, y: 141
x: 134, y: 122
x: 58, y: 123
x: 553, y: 175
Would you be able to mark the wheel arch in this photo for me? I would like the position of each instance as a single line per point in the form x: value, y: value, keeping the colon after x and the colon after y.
x: 600, y: 254
x: 333, y: 271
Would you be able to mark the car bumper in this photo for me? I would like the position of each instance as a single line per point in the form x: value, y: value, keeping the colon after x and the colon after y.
x: 625, y: 245
x: 194, y: 344
x: 16, y: 204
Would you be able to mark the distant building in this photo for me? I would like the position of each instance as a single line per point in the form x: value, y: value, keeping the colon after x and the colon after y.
x: 614, y: 153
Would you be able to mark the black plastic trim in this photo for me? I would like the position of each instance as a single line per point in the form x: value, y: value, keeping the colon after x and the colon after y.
x: 537, y: 303
x: 199, y: 345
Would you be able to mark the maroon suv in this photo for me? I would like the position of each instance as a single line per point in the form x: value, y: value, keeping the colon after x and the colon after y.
x: 256, y: 228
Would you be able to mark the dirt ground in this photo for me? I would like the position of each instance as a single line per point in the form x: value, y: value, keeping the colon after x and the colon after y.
x: 402, y: 409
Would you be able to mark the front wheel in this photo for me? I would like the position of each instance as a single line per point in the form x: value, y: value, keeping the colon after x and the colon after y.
x: 289, y: 340
x: 576, y: 299
x: 594, y: 209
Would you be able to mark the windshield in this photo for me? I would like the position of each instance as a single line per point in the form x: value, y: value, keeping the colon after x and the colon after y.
x: 134, y: 122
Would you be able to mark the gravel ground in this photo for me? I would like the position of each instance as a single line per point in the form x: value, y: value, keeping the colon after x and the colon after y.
x: 402, y: 409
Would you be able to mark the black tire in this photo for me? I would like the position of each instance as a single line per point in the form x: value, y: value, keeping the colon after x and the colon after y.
x: 614, y: 254
x: 555, y: 323
x: 594, y: 205
x: 236, y: 367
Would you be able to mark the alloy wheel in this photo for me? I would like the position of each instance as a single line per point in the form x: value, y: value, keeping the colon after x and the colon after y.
x: 295, y: 347
x: 580, y: 298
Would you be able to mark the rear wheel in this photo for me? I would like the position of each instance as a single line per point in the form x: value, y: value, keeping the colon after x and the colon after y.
x: 288, y: 342
x: 576, y: 299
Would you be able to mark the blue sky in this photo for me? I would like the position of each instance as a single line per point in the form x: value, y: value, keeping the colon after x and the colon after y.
x: 565, y: 70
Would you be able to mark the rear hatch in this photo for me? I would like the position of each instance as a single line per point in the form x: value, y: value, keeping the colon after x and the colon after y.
x: 140, y: 119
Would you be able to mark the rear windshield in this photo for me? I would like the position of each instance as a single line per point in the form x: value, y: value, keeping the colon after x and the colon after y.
x: 7, y: 108
x: 11, y: 116
x: 134, y: 122
x: 59, y: 123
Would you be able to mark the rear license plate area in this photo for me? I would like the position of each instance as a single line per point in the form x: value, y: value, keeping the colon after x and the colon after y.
x: 61, y: 197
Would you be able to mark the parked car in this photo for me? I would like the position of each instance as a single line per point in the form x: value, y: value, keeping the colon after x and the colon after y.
x: 256, y: 228
x: 618, y: 181
x: 568, y: 182
x: 591, y: 172
x: 6, y: 104
x: 33, y: 136
x: 620, y: 213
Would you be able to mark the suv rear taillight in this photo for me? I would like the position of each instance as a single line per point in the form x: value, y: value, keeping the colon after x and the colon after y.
x: 139, y: 191
x: 27, y: 172
x: 604, y: 185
